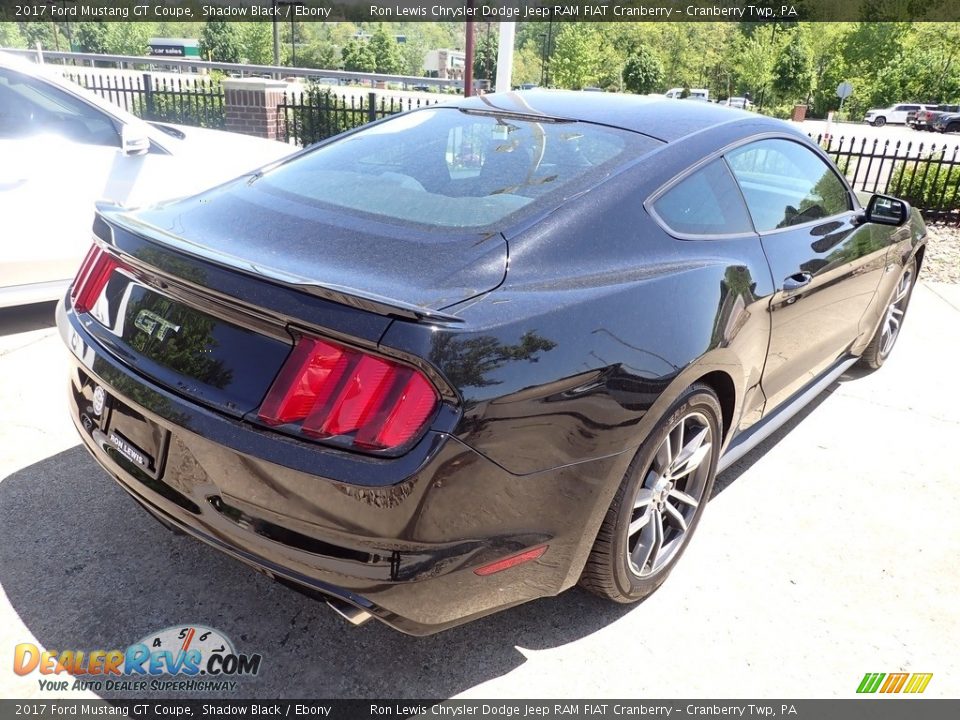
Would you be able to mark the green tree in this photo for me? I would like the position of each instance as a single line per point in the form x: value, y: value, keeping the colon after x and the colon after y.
x: 792, y: 72
x: 576, y: 56
x: 256, y: 41
x: 358, y: 57
x: 472, y: 362
x: 10, y: 36
x: 526, y: 64
x: 756, y: 56
x: 319, y: 55
x: 90, y: 37
x: 220, y: 41
x: 643, y: 72
x: 485, y: 55
x: 321, y: 115
x: 38, y: 32
x: 322, y: 44
x: 826, y: 41
x: 128, y: 38
x: 385, y: 52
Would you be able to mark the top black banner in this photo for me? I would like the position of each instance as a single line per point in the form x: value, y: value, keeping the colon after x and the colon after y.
x: 481, y: 10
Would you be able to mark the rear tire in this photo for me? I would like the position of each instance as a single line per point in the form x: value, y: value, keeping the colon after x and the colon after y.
x: 886, y: 335
x: 659, y: 502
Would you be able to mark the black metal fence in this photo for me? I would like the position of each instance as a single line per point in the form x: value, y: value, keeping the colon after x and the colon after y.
x: 195, y: 100
x: 925, y: 174
x: 319, y: 113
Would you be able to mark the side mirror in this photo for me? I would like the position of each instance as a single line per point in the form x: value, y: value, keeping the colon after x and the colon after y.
x: 134, y: 139
x: 886, y: 210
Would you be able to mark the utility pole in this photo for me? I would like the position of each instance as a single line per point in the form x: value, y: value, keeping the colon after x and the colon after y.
x: 468, y: 63
x: 276, y: 35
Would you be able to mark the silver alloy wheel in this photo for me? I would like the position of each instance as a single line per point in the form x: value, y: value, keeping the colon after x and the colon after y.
x: 667, y: 499
x: 894, y: 317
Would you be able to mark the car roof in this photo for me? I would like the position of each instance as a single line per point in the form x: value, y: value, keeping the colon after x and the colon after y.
x: 655, y: 116
x: 53, y: 74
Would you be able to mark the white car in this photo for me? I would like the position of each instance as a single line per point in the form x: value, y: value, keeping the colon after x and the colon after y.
x: 738, y: 102
x: 62, y: 149
x: 897, y: 114
x: 695, y: 94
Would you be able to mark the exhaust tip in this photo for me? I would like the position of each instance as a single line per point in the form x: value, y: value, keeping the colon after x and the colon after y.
x: 353, y: 615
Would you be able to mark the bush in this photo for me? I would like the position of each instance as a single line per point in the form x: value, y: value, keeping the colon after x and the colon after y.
x: 927, y: 183
x: 783, y: 111
x: 199, y: 105
x: 319, y: 114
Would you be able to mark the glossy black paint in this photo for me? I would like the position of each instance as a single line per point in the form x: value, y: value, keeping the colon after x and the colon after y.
x: 563, y: 338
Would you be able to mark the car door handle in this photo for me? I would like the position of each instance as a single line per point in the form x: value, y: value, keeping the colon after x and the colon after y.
x: 797, y: 281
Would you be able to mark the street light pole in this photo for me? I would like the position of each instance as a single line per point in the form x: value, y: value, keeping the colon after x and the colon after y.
x: 276, y: 35
x: 468, y: 64
x: 276, y: 31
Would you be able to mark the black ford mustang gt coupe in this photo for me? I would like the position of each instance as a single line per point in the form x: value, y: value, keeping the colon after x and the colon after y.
x: 478, y: 353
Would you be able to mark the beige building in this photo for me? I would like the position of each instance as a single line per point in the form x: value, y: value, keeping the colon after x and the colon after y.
x: 446, y: 64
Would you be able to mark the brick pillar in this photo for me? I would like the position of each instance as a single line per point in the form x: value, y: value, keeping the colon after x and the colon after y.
x: 250, y: 106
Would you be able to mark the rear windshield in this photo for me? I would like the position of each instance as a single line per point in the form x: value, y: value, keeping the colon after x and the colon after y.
x: 450, y: 169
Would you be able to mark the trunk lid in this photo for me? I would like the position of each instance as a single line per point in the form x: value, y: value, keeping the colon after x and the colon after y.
x: 196, y: 353
x: 268, y: 233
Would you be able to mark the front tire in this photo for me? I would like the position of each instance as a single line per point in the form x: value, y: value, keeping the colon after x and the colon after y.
x: 886, y: 335
x: 879, y: 122
x: 659, y: 502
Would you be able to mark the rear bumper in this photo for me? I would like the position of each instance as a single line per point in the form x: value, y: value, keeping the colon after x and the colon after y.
x: 398, y: 538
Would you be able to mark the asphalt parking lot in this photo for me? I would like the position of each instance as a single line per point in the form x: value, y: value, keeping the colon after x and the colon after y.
x: 891, y: 134
x: 828, y: 552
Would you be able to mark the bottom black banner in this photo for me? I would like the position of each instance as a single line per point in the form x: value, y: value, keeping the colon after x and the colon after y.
x: 855, y: 709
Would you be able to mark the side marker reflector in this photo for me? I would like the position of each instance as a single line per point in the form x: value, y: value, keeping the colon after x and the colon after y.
x: 512, y: 561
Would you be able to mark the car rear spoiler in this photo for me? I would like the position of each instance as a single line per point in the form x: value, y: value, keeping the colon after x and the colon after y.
x: 333, y: 292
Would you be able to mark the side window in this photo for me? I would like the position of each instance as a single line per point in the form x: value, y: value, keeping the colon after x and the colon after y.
x: 29, y: 106
x: 705, y: 203
x: 785, y: 184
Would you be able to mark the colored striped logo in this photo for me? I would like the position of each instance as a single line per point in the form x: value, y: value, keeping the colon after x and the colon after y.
x: 894, y: 682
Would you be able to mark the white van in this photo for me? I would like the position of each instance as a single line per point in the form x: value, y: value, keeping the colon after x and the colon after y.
x: 695, y: 94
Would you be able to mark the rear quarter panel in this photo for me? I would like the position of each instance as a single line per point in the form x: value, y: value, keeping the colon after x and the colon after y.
x: 602, y: 321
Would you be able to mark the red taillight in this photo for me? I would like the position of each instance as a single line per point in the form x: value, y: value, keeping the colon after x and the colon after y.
x: 94, y: 273
x: 333, y: 391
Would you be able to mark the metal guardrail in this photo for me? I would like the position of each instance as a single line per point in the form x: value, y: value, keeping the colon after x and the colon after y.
x: 243, y: 69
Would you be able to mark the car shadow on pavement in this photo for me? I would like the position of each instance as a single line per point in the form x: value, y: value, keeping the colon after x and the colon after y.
x: 85, y: 568
x: 26, y: 318
x: 730, y: 475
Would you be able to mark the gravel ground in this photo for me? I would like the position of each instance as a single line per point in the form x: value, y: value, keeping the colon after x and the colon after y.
x: 942, y: 260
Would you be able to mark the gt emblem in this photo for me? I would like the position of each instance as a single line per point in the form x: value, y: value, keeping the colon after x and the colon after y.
x: 154, y: 325
x: 98, y: 399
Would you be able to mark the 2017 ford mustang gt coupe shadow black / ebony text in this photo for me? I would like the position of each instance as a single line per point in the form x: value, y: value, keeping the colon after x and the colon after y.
x: 475, y: 354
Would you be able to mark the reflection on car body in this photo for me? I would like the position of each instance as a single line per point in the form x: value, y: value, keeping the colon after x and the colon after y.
x: 473, y: 355
x: 64, y: 149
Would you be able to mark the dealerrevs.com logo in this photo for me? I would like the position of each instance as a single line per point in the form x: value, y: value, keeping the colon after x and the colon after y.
x: 181, y: 658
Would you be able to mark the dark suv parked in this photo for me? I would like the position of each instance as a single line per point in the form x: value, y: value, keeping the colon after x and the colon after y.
x: 924, y: 118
